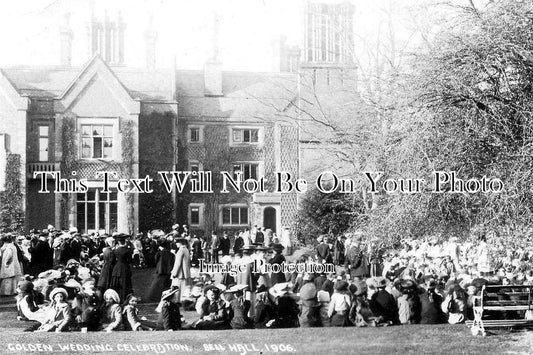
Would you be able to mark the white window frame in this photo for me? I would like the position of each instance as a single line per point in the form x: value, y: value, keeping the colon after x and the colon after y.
x: 231, y: 206
x: 200, y: 134
x: 113, y: 122
x: 43, y: 136
x: 260, y: 136
x: 96, y: 202
x: 201, y: 208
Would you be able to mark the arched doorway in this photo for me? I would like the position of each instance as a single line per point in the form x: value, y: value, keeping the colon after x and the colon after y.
x: 269, y: 218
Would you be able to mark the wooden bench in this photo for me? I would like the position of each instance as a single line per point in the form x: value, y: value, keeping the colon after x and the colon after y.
x: 498, y: 298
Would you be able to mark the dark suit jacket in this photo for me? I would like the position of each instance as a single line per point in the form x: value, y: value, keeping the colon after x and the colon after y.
x: 164, y: 261
x: 322, y: 251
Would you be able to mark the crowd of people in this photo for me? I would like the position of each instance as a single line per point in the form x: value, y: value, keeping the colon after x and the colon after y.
x: 65, y: 280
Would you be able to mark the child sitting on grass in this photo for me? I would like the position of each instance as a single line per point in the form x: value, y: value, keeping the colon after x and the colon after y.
x: 169, y: 311
x: 58, y: 318
x: 131, y: 315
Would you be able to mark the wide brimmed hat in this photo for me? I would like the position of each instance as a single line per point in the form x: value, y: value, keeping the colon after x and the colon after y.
x: 72, y: 262
x: 73, y: 284
x: 249, y: 247
x: 157, y: 233
x: 308, y: 291
x: 109, y: 241
x: 237, y: 288
x: 358, y: 288
x: 380, y: 282
x: 196, y: 290
x: 221, y: 287
x: 280, y: 289
x: 167, y: 294
x: 277, y: 247
x: 260, y: 247
x: 407, y: 286
x: 57, y: 290
x: 50, y: 275
x: 73, y: 230
x: 213, y: 288
x: 120, y: 237
x: 262, y: 288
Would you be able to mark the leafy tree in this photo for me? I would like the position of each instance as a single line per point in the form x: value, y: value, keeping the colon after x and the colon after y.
x: 332, y: 213
x: 475, y: 94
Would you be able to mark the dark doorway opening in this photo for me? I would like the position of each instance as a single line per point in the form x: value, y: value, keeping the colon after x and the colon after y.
x: 269, y: 218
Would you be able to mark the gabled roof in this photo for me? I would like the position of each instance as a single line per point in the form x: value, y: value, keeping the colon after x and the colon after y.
x: 96, y: 70
x: 9, y: 91
x: 247, y: 96
x: 51, y: 82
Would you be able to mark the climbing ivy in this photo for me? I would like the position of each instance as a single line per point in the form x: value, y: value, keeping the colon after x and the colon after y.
x: 128, y: 159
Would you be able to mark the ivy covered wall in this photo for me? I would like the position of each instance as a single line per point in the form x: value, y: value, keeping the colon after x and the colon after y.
x: 11, y: 208
x: 156, y: 153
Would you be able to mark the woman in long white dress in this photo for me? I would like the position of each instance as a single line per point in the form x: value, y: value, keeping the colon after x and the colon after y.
x: 484, y: 262
x: 10, y: 269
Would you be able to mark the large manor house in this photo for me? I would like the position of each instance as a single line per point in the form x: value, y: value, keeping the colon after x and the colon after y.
x: 106, y: 116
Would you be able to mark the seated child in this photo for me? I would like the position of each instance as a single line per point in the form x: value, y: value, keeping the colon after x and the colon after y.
x: 169, y: 311
x: 58, y: 312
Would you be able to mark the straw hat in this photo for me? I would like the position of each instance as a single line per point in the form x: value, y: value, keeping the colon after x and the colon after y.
x: 57, y: 290
x: 280, y: 289
x: 237, y: 288
x: 73, y: 284
x: 168, y: 294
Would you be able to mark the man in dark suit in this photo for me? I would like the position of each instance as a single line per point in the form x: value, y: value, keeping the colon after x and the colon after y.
x: 225, y: 244
x: 41, y: 255
x: 238, y: 244
x: 260, y: 236
x: 322, y: 250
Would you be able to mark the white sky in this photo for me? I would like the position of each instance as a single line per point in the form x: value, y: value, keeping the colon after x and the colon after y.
x: 29, y: 29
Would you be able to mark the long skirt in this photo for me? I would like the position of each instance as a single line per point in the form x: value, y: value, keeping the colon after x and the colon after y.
x: 159, y: 284
x: 8, y: 286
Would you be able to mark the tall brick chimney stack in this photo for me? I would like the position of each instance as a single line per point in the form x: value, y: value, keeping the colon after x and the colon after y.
x: 65, y: 41
x: 213, y: 66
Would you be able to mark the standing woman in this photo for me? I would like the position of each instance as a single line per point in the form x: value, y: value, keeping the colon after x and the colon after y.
x: 104, y: 282
x: 164, y: 260
x: 121, y: 274
x: 10, y: 270
x: 277, y: 259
